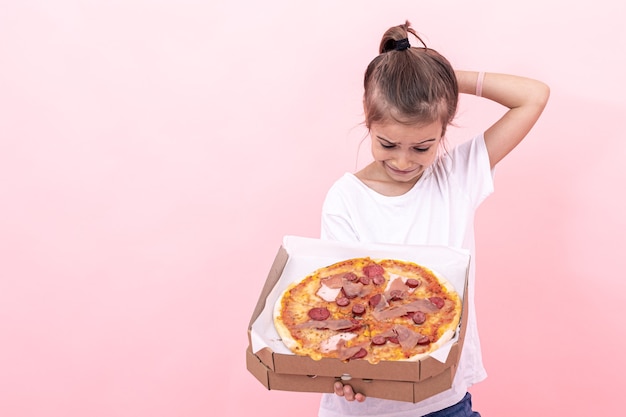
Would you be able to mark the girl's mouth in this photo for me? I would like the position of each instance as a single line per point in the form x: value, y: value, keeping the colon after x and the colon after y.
x: 401, y: 171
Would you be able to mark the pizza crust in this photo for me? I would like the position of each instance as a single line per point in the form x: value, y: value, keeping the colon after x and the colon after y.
x: 281, y: 328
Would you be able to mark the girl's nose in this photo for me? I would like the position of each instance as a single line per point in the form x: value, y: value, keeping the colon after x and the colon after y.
x: 403, y: 162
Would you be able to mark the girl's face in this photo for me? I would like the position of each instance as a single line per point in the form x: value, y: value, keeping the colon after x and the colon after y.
x: 402, y: 152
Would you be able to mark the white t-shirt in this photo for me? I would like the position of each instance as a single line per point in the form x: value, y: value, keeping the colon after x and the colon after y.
x: 438, y: 210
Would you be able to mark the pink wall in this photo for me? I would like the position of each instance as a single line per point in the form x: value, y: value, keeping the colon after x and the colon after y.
x: 153, y: 154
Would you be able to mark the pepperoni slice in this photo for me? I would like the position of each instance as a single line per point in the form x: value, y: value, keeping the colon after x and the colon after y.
x: 375, y: 300
x: 378, y: 280
x: 358, y: 309
x: 437, y: 301
x: 350, y: 276
x: 365, y: 280
x: 373, y: 270
x: 412, y: 283
x: 319, y: 313
x: 419, y: 317
x: 342, y: 301
x: 379, y: 340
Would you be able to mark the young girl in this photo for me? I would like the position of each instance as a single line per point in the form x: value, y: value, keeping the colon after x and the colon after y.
x: 417, y: 192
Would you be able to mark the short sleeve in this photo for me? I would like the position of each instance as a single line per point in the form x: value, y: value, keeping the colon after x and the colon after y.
x: 471, y: 170
x: 336, y: 224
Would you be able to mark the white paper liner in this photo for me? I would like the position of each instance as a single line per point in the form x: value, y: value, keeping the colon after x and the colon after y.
x: 307, y: 255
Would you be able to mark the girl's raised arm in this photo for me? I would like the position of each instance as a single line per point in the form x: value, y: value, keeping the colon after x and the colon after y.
x: 525, y: 98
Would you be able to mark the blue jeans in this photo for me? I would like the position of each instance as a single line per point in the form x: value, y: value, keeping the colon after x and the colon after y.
x: 461, y: 409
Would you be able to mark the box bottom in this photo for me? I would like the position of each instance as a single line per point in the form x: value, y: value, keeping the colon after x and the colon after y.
x: 391, y: 390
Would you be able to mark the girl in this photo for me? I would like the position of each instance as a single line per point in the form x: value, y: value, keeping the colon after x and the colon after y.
x: 416, y: 192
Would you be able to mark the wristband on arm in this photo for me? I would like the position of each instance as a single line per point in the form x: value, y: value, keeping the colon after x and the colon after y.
x: 479, y: 84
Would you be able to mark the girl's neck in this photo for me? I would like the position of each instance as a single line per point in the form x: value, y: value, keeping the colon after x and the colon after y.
x: 375, y: 177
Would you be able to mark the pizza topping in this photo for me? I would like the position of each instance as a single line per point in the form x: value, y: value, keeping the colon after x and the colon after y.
x: 377, y: 301
x: 360, y: 354
x: 349, y: 284
x: 379, y: 340
x: 390, y: 313
x: 331, y: 343
x: 350, y: 352
x: 350, y: 276
x: 337, y: 324
x: 373, y: 270
x: 424, y: 340
x: 382, y: 338
x: 418, y: 317
x: 395, y: 295
x: 334, y: 281
x: 412, y: 283
x: 378, y: 280
x: 396, y: 311
x: 408, y: 339
x: 352, y: 289
x: 422, y: 304
x: 328, y: 294
x: 397, y: 289
x: 342, y: 301
x: 358, y: 309
x: 437, y: 301
x: 356, y: 325
x: 319, y: 313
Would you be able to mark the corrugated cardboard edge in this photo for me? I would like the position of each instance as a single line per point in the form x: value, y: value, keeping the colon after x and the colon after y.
x: 390, y: 390
x: 285, y: 382
x: 266, y: 354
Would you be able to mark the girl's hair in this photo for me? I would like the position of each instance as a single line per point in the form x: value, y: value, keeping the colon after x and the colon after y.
x: 410, y: 85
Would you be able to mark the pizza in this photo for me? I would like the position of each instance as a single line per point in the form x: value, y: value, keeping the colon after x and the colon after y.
x: 370, y: 309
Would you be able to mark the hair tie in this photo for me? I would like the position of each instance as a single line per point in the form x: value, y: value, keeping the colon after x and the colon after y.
x: 402, y: 44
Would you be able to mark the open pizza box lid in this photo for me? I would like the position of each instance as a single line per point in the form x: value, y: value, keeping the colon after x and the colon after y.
x: 276, y: 367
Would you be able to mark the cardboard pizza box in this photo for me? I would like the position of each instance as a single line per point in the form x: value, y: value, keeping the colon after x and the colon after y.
x: 277, y: 368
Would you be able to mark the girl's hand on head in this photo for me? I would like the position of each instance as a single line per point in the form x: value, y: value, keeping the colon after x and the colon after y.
x: 348, y: 393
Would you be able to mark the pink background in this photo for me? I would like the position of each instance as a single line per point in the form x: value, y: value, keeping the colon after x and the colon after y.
x: 154, y: 153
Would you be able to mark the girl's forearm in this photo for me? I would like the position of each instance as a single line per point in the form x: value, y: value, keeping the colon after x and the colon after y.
x: 509, y: 90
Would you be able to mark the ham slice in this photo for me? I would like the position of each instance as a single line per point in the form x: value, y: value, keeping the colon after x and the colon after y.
x: 334, y: 281
x: 395, y: 311
x: 408, y: 339
x: 340, y: 324
x: 397, y: 289
x: 344, y: 352
x: 352, y: 289
x: 332, y: 286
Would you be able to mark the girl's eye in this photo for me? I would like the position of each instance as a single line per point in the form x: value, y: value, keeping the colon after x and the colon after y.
x: 421, y: 149
x: 387, y: 146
